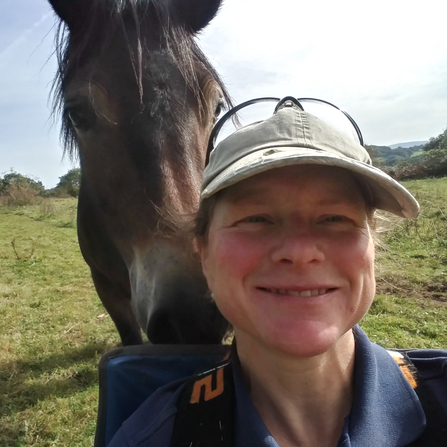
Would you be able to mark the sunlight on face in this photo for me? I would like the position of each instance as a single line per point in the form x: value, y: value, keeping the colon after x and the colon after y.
x: 290, y: 258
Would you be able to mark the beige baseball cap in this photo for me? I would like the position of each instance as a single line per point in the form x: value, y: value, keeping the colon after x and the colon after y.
x: 292, y: 136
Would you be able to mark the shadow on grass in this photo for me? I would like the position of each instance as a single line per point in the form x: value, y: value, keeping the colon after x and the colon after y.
x: 12, y: 434
x: 16, y: 395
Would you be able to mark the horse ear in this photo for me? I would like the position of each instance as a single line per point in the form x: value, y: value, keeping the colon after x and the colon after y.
x: 196, y: 14
x: 71, y: 11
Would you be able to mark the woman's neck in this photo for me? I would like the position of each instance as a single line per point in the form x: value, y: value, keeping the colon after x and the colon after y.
x: 302, y: 401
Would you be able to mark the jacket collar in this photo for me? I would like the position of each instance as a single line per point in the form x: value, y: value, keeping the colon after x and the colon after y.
x: 386, y: 412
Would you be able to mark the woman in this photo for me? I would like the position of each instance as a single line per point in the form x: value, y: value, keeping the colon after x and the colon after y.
x: 285, y: 232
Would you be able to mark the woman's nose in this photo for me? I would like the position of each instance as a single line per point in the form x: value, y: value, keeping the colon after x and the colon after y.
x: 298, y: 246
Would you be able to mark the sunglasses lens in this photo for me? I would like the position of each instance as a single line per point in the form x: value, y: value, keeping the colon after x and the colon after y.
x: 250, y: 114
x: 260, y: 109
x: 332, y: 116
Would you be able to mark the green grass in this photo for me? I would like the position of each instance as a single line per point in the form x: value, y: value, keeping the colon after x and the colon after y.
x: 54, y: 328
x: 414, y: 262
x: 410, y: 309
x: 396, y: 322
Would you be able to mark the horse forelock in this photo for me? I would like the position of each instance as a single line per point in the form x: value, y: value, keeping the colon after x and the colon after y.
x: 136, y: 20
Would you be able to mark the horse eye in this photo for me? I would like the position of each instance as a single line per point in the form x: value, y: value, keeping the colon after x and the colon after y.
x: 82, y: 119
x: 219, y: 109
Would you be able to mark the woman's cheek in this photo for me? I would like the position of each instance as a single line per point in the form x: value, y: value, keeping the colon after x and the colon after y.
x: 358, y: 264
x: 355, y: 247
x: 365, y: 252
x: 230, y: 258
x: 240, y: 254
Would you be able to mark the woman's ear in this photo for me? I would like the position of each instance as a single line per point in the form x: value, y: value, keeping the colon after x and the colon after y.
x: 197, y: 245
x: 200, y: 248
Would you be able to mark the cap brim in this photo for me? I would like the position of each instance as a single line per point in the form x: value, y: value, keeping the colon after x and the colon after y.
x: 388, y: 194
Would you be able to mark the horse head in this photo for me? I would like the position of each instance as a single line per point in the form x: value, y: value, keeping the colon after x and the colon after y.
x: 138, y: 100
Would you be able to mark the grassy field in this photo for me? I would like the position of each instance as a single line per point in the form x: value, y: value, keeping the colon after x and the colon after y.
x: 410, y: 309
x: 54, y: 328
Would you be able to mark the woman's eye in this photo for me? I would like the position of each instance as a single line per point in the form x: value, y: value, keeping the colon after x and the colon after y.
x: 255, y: 219
x: 335, y: 219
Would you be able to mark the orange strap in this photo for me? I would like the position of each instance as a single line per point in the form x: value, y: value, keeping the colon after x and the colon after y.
x: 406, y: 366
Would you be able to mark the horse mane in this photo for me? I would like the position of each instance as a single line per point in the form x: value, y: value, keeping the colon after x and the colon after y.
x: 120, y: 16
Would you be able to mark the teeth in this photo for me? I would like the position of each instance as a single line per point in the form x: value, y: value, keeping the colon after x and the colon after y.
x: 304, y: 293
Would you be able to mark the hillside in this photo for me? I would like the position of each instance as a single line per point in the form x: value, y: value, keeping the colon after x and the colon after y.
x: 408, y: 144
x: 386, y: 156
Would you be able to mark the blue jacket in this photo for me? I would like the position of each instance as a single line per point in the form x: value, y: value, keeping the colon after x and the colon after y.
x: 386, y: 411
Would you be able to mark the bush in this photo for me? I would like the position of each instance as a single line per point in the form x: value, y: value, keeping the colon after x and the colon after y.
x: 19, y: 181
x: 60, y: 193
x: 69, y: 183
x: 435, y: 161
x: 436, y: 143
x: 432, y: 162
x: 408, y: 170
x: 19, y: 194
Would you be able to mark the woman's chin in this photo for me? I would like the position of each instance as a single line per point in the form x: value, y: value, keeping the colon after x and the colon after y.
x: 311, y: 338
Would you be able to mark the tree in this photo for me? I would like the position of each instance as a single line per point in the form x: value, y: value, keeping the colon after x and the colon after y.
x: 437, y: 142
x: 14, y: 179
x: 70, y: 182
x: 435, y: 155
x: 435, y: 162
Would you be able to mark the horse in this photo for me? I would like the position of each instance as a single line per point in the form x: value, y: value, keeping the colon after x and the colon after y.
x: 138, y: 100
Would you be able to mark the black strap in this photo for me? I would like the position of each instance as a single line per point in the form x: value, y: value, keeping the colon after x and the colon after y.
x: 435, y: 433
x: 205, y: 410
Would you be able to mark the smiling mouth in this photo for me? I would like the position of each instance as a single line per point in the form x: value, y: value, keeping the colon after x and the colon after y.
x: 303, y: 293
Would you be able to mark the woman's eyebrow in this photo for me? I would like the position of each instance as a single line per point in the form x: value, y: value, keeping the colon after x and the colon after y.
x: 256, y: 194
x: 253, y: 194
x: 336, y: 201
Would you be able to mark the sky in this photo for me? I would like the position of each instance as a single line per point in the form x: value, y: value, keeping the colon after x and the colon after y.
x: 384, y: 62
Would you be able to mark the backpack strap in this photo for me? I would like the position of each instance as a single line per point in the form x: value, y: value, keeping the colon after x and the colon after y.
x: 205, y: 410
x: 205, y: 416
x: 435, y: 433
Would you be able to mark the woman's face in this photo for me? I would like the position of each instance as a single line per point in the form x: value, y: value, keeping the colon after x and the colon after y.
x: 290, y: 258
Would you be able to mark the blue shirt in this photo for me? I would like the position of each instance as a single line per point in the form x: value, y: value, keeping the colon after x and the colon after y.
x: 386, y: 411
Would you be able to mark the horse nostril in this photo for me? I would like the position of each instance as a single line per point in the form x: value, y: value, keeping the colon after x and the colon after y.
x: 163, y: 329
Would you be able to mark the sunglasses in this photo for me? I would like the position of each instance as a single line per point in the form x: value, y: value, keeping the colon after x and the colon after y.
x: 259, y: 109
